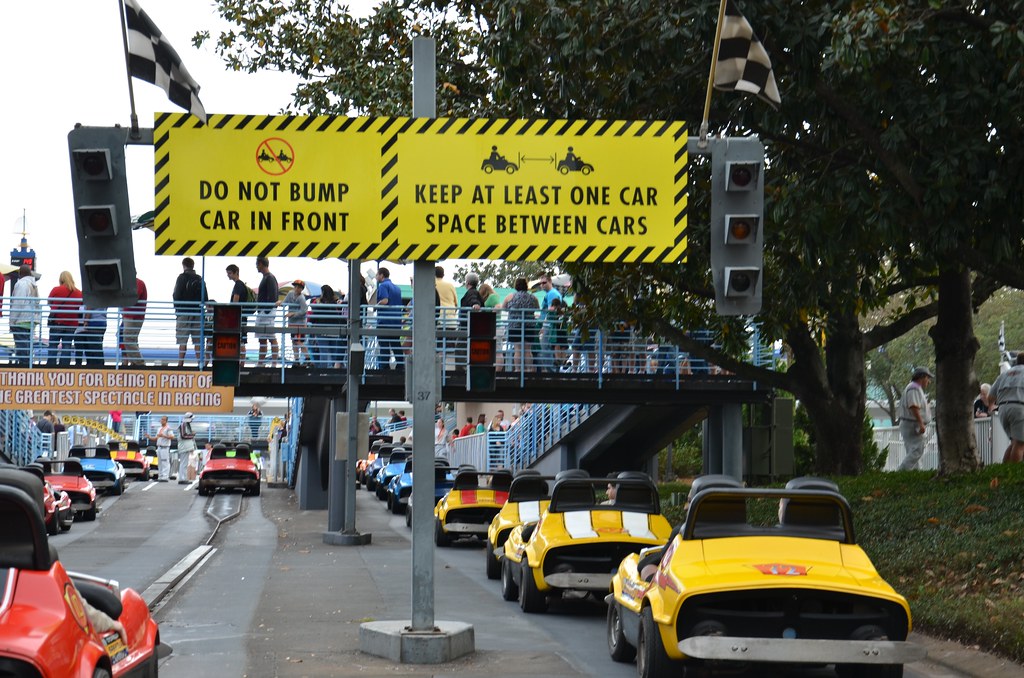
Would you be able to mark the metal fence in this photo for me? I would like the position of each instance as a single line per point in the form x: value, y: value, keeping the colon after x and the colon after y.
x: 20, y: 439
x: 527, y: 342
x: 990, y: 437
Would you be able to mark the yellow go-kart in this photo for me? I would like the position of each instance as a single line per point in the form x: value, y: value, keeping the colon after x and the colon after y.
x: 577, y: 544
x: 758, y: 576
x: 527, y: 499
x: 468, y: 508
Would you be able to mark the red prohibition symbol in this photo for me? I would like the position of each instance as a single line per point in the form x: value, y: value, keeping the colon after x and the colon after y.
x: 275, y: 156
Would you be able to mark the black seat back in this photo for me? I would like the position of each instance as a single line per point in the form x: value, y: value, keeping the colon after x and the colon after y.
x: 23, y: 541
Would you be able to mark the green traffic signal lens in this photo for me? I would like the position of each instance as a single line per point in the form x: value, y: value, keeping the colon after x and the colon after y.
x: 740, y: 281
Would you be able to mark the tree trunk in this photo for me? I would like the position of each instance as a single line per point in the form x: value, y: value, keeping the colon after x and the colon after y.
x: 834, y: 393
x: 955, y: 381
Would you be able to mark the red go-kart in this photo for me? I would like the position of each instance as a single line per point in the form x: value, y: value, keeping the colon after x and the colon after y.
x: 49, y: 618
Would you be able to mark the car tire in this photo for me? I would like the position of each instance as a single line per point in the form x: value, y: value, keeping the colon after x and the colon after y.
x: 203, y: 491
x: 618, y: 647
x: 117, y: 489
x: 440, y: 537
x: 69, y: 521
x: 651, y: 660
x: 531, y: 600
x: 100, y: 672
x: 509, y: 588
x: 53, y: 527
x: 89, y: 514
x: 256, y: 490
x: 492, y: 566
x: 396, y: 507
x: 408, y: 517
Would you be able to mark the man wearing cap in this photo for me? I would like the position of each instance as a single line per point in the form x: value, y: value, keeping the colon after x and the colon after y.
x: 915, y: 415
x: 186, y: 446
x: 1007, y: 394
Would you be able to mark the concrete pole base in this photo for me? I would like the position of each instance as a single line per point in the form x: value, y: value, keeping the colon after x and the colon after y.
x: 395, y: 641
x: 347, y: 538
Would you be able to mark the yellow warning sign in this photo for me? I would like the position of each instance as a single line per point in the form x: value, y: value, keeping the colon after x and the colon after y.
x: 536, y: 190
x: 424, y: 188
x: 279, y: 185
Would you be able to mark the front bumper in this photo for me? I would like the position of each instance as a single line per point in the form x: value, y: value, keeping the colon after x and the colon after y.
x: 580, y: 581
x: 802, y: 650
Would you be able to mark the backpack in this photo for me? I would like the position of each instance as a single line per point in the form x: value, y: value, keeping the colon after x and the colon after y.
x: 250, y: 296
x: 193, y: 288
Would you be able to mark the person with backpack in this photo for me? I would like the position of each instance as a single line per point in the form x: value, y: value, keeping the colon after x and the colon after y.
x: 241, y: 294
x: 189, y: 295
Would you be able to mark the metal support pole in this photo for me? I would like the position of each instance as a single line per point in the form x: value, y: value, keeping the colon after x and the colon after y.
x: 732, y: 440
x: 424, y: 347
x: 335, y: 485
x: 355, y: 347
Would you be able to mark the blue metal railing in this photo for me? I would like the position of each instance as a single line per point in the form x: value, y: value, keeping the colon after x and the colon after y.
x: 20, y: 439
x: 526, y: 344
x: 290, y: 443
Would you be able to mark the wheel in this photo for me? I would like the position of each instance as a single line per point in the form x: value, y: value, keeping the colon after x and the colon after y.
x: 203, y: 490
x: 396, y: 507
x: 440, y: 538
x: 488, y: 169
x: 152, y: 667
x: 509, y: 588
x: 68, y: 520
x: 100, y: 672
x: 491, y: 563
x: 618, y: 647
x: 530, y: 599
x: 256, y: 490
x: 53, y: 527
x: 586, y: 169
x: 89, y: 514
x: 510, y: 168
x: 563, y: 169
x: 117, y: 489
x: 651, y: 660
x: 408, y: 517
x: 380, y: 493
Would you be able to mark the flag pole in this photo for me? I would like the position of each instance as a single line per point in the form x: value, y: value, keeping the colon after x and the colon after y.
x: 702, y: 142
x: 128, y: 70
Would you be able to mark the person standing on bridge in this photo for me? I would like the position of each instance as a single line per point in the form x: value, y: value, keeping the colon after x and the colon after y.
x: 24, y: 314
x: 131, y: 324
x: 65, y: 314
x: 189, y: 295
x: 266, y: 296
x: 186, y: 446
x: 389, y: 317
x: 295, y: 308
x: 163, y: 437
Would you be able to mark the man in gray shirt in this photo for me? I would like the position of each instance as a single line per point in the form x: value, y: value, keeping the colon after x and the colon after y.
x: 1007, y: 394
x: 915, y: 415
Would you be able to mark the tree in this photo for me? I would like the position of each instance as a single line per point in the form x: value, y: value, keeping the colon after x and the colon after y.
x: 889, y: 177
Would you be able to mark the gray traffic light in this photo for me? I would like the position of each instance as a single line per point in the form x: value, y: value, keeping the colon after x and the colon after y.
x: 102, y: 218
x: 737, y: 228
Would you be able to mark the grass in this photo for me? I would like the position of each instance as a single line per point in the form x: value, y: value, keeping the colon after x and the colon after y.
x: 954, y: 547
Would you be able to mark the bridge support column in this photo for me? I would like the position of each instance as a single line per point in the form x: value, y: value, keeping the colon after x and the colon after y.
x: 311, y: 493
x: 723, y: 440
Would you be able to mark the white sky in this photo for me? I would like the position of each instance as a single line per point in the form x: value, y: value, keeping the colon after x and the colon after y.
x: 64, y: 63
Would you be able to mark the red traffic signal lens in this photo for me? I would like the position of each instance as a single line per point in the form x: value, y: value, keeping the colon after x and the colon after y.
x: 739, y: 229
x: 99, y: 222
x: 741, y: 175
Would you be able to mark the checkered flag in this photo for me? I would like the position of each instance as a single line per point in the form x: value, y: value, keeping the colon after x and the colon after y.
x: 743, y: 64
x: 151, y: 58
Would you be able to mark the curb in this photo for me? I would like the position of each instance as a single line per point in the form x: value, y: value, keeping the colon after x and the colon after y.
x: 967, y: 660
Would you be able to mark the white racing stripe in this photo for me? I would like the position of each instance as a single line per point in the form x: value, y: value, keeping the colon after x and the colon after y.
x: 579, y: 525
x: 529, y: 511
x: 637, y: 525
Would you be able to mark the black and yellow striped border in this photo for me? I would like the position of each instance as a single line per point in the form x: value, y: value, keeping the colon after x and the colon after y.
x: 390, y: 247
